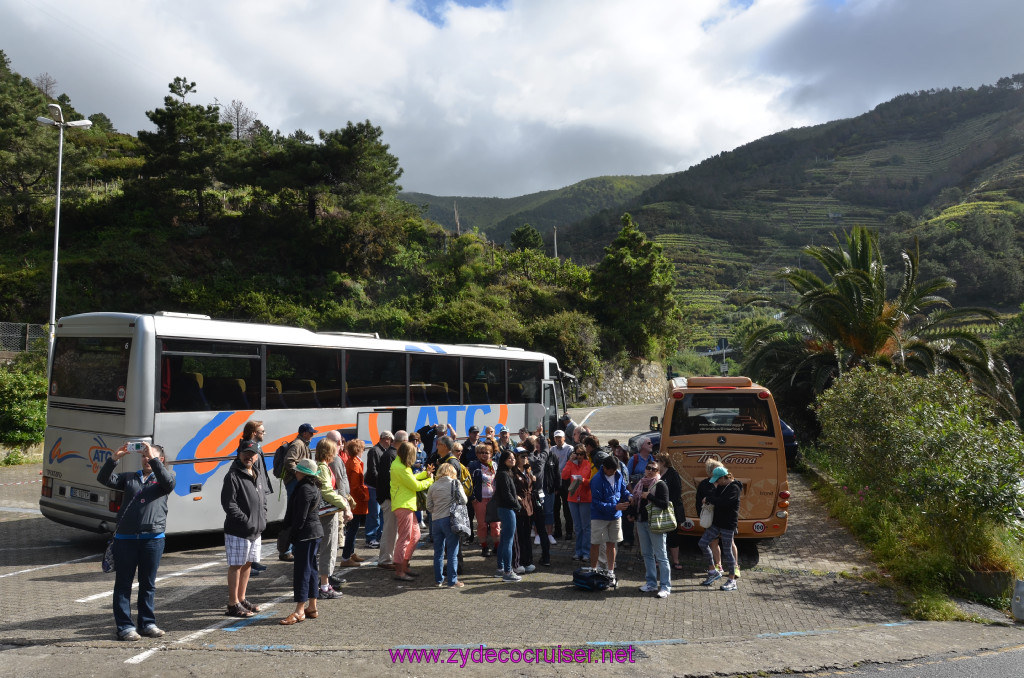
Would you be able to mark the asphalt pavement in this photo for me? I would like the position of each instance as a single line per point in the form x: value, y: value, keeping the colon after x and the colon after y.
x: 810, y: 601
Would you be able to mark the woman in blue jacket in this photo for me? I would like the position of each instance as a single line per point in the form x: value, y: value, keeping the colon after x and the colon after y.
x: 139, y: 536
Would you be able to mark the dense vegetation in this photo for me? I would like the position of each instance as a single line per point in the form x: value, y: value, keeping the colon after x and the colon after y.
x: 925, y: 475
x: 213, y: 212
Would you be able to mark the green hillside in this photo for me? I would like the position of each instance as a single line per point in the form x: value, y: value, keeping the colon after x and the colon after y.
x: 498, y: 217
x: 943, y: 166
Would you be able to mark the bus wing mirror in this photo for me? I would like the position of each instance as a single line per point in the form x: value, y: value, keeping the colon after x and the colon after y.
x: 655, y: 423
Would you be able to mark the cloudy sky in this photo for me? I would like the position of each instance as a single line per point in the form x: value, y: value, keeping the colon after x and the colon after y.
x: 506, y: 97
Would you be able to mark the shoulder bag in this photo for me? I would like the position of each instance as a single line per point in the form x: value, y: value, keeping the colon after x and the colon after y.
x: 459, y: 514
x: 661, y: 521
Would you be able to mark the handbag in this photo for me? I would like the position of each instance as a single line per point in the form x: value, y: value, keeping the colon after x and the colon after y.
x: 707, y: 515
x: 661, y: 520
x: 459, y: 515
x: 108, y: 564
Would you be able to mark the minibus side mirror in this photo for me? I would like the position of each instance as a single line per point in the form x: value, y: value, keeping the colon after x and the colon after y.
x: 655, y: 423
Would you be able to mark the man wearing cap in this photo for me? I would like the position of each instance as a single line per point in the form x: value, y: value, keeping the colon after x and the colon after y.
x: 297, y: 449
x: 472, y: 439
x: 244, y: 500
x: 562, y: 452
x: 726, y: 499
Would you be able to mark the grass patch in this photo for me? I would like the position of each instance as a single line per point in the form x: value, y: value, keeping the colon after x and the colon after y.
x: 916, y: 555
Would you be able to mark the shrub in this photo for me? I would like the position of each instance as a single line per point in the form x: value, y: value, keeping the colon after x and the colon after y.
x: 23, y: 400
x: 939, y: 472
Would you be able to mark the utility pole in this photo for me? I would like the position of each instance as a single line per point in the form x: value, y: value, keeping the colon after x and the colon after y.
x: 556, y: 242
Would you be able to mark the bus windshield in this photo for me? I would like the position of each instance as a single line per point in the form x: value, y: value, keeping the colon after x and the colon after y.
x: 90, y: 368
x: 742, y: 413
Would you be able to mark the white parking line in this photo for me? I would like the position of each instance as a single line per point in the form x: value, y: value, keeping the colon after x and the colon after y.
x: 43, y: 567
x: 18, y: 509
x: 143, y: 656
x: 97, y: 596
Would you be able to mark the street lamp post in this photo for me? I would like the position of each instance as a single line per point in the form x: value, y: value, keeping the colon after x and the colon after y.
x: 58, y: 122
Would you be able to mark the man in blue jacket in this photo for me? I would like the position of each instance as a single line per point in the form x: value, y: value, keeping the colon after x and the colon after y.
x: 608, y: 498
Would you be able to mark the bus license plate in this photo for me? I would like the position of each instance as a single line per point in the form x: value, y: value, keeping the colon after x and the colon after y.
x: 79, y: 493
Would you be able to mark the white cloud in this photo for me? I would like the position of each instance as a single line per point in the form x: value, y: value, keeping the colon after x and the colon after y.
x: 521, y: 95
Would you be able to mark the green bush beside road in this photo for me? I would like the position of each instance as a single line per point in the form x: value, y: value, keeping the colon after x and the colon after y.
x: 925, y: 474
x: 22, y: 402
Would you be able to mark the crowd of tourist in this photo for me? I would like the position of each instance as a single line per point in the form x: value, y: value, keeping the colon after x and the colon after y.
x: 521, y: 493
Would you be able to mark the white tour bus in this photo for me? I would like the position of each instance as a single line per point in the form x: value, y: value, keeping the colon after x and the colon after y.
x: 190, y: 383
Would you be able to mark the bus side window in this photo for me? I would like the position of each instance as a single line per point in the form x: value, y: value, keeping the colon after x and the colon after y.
x: 186, y: 393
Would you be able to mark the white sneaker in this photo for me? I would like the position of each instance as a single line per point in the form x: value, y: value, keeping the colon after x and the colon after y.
x: 663, y: 593
x: 647, y: 588
x: 511, y: 576
x: 551, y: 540
x: 536, y: 540
x: 520, y: 570
x: 530, y: 568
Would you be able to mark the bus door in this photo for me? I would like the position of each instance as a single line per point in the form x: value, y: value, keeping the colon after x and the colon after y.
x: 370, y: 424
x: 550, y: 408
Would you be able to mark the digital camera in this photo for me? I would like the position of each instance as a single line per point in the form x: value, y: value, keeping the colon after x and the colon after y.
x: 135, y: 446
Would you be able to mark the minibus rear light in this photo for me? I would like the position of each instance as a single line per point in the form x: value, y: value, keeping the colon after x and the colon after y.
x: 114, y: 505
x: 677, y: 395
x: 784, y: 494
x: 782, y: 514
x: 47, y: 487
x: 764, y: 395
x: 783, y: 504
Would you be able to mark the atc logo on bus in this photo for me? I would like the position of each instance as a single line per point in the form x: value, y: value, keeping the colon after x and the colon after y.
x: 94, y: 458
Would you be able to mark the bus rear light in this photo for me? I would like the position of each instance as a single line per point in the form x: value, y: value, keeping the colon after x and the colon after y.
x: 47, y: 487
x: 782, y: 515
x: 783, y: 504
x: 114, y: 505
x: 784, y: 494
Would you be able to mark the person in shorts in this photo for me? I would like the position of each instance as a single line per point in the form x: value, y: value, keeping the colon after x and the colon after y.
x: 244, y: 500
x: 608, y: 498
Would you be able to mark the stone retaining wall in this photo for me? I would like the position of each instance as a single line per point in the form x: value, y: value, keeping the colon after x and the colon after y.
x: 641, y: 383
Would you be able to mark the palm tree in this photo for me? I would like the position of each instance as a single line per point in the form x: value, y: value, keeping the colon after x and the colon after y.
x: 850, y: 321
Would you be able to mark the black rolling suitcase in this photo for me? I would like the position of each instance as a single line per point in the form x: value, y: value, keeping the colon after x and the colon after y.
x: 592, y: 580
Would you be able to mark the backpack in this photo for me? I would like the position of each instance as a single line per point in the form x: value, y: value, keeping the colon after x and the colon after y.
x: 592, y: 580
x: 278, y: 466
x: 466, y: 479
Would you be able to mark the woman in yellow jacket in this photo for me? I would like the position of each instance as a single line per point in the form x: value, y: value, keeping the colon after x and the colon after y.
x: 404, y: 486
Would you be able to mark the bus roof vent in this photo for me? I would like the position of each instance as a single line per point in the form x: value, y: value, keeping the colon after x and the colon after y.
x: 500, y: 347
x: 175, y: 314
x: 364, y: 335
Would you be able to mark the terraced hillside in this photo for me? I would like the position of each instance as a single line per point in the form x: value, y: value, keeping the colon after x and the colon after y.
x: 946, y: 167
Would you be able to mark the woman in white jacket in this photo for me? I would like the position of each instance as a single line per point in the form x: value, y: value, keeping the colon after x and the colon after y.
x: 446, y: 542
